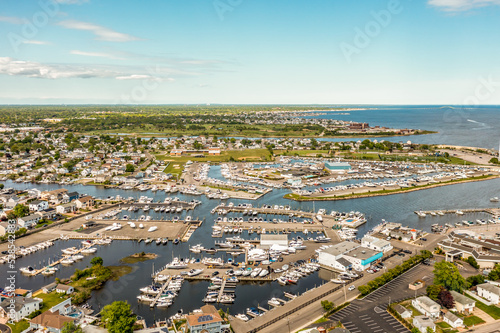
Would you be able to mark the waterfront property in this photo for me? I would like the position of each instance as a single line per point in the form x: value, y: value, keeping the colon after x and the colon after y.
x: 207, y: 320
x: 23, y: 307
x: 346, y: 255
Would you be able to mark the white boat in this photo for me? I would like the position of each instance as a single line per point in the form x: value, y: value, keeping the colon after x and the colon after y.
x: 195, y: 272
x: 27, y: 270
x: 274, y: 302
x: 338, y: 281
x: 69, y: 250
x: 151, y: 229
x: 263, y: 273
x: 89, y: 250
x: 141, y: 226
x: 67, y: 261
x: 243, y: 317
x: 494, y: 199
x: 256, y: 272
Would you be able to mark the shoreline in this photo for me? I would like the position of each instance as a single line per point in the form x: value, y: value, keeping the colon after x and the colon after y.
x: 347, y: 136
x: 396, y: 191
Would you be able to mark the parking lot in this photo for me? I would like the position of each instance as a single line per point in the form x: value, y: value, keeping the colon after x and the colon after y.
x: 370, y: 315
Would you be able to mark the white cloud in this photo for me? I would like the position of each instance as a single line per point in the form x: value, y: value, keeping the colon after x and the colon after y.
x: 13, y: 67
x: 9, y: 66
x: 12, y: 20
x: 461, y: 5
x: 134, y: 77
x: 94, y: 54
x: 36, y: 42
x: 101, y: 32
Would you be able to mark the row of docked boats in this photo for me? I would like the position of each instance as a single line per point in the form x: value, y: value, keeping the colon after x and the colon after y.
x: 161, y: 296
x: 291, y: 275
x: 24, y: 251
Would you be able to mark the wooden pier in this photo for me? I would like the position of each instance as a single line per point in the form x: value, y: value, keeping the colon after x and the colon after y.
x: 490, y: 211
x: 221, y: 290
x: 157, y: 297
x: 59, y: 261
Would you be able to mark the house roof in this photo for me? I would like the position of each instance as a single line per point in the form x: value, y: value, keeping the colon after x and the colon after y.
x: 203, y: 319
x: 63, y: 287
x: 51, y: 319
x: 427, y: 301
x: 459, y: 298
x: 19, y: 302
x: 400, y: 309
x: 424, y: 321
x: 85, y: 199
x: 344, y: 262
x: 489, y: 287
x: 451, y: 317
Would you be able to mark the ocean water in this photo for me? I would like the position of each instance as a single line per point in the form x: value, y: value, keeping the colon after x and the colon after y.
x: 456, y: 125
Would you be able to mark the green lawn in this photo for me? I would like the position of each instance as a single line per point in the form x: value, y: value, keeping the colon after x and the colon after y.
x: 49, y: 300
x: 472, y: 320
x: 40, y: 225
x: 321, y: 320
x: 414, y: 311
x: 225, y: 156
x: 492, y: 310
x: 19, y: 326
x: 442, y: 324
x: 174, y: 168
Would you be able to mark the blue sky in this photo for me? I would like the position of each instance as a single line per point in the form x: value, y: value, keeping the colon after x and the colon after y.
x: 250, y: 51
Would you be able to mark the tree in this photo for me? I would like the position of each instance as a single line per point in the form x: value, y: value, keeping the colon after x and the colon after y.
x: 472, y: 261
x: 474, y: 280
x: 129, y: 168
x: 327, y: 305
x: 118, y: 317
x: 21, y: 210
x: 1, y: 186
x: 446, y: 299
x: 71, y: 328
x: 433, y: 291
x: 447, y: 275
x: 96, y: 261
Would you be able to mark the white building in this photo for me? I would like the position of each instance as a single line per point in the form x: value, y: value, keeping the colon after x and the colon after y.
x: 38, y: 205
x: 423, y: 322
x: 23, y: 307
x: 29, y: 221
x: 332, y: 256
x: 427, y: 306
x: 489, y: 292
x: 453, y: 320
x: 375, y: 243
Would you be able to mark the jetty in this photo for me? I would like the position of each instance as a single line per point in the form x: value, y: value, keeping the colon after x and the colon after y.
x: 163, y: 287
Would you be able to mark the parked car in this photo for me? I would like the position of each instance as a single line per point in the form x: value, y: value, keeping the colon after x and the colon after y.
x: 352, y: 288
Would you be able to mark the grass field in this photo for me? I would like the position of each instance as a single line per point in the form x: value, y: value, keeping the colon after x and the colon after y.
x: 472, y: 320
x: 312, y: 153
x: 19, y: 326
x: 175, y: 169
x: 49, y: 300
x: 225, y: 156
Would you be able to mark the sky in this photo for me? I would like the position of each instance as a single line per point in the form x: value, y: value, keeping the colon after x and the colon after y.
x: 250, y: 52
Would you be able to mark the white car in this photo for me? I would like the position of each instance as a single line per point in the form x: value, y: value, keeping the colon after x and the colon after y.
x: 352, y: 288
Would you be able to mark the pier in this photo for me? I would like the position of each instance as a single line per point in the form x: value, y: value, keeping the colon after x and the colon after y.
x: 491, y: 211
x: 157, y: 297
x: 221, y: 290
x: 59, y: 261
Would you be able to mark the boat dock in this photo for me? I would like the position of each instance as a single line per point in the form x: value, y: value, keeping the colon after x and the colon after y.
x: 157, y: 297
x: 491, y: 211
x: 59, y: 261
x: 240, y: 278
x: 221, y: 290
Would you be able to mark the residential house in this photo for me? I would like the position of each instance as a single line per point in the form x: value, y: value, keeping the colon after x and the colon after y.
x: 463, y: 304
x: 423, y: 322
x: 49, y: 213
x: 49, y: 288
x: 50, y: 322
x: 84, y: 202
x: 29, y: 221
x: 63, y: 288
x: 23, y: 307
x: 66, y: 208
x: 453, y: 320
x: 426, y: 306
x: 489, y: 292
x: 403, y: 312
x: 64, y: 308
x: 208, y: 320
x: 70, y: 196
x: 38, y: 205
